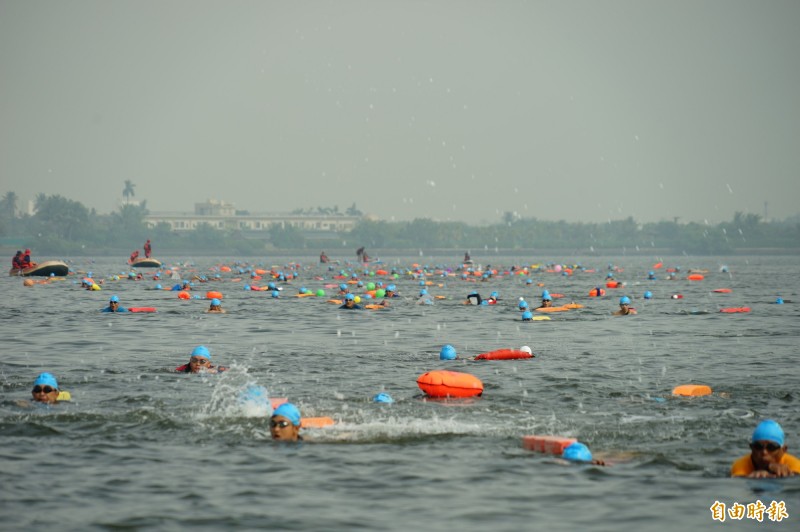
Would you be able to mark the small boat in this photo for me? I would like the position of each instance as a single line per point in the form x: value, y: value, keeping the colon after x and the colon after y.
x: 145, y: 263
x: 43, y: 269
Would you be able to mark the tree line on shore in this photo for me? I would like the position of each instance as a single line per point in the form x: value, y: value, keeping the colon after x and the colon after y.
x: 67, y: 227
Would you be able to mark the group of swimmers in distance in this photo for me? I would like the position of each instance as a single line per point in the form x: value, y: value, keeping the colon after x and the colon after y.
x: 768, y: 455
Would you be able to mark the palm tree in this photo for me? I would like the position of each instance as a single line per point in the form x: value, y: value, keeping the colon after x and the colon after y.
x: 128, y: 191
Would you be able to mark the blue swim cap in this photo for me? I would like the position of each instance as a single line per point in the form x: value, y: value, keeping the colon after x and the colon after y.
x: 271, y: 286
x: 290, y: 412
x: 202, y: 352
x: 246, y: 287
x: 275, y: 294
x: 46, y: 379
x: 349, y: 297
x: 577, y: 452
x: 609, y: 275
x: 215, y: 302
x: 159, y: 287
x: 768, y: 430
x: 383, y: 398
x: 624, y: 300
x: 547, y: 297
x: 448, y: 352
x: 545, y: 294
x: 651, y: 272
x: 528, y: 281
x: 391, y: 288
x: 114, y: 299
x: 648, y: 295
x: 423, y: 292
x: 494, y: 294
x: 527, y: 316
x: 342, y: 286
x: 779, y: 301
x: 523, y: 304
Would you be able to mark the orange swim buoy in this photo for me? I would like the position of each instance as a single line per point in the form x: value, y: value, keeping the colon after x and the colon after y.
x: 572, y: 305
x: 547, y: 444
x: 551, y: 309
x: 316, y: 422
x: 692, y: 390
x: 695, y: 277
x: 556, y: 296
x: 657, y: 265
x: 212, y: 294
x: 613, y: 284
x: 443, y: 383
x: 722, y: 290
x: 184, y: 295
x: 732, y: 310
x: 504, y: 354
x: 596, y: 292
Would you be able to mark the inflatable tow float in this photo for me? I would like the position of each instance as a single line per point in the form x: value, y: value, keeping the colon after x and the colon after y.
x: 444, y: 383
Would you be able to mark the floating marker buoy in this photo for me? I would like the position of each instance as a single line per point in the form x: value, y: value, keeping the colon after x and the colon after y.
x: 692, y: 390
x: 443, y: 383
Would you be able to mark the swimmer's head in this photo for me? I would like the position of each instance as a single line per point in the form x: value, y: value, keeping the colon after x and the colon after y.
x: 114, y: 299
x: 494, y: 295
x: 216, y: 302
x: 46, y: 379
x: 624, y: 300
x: 391, y: 288
x: 290, y: 412
x: 779, y: 301
x: 648, y: 295
x: 526, y: 349
x: 349, y: 297
x: 577, y: 452
x: 383, y: 398
x: 523, y: 304
x: 448, y: 352
x: 527, y: 316
x: 275, y: 294
x: 768, y: 430
x: 201, y: 351
x: 423, y: 292
x: 342, y: 286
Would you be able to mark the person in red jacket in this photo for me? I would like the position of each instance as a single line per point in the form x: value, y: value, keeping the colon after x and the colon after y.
x: 148, y: 249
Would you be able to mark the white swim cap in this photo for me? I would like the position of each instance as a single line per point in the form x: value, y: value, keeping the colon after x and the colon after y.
x: 526, y: 349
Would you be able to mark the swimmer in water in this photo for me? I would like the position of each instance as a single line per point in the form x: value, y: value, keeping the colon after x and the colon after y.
x: 547, y: 300
x: 579, y: 452
x: 768, y: 457
x: 625, y: 308
x: 216, y: 306
x: 45, y: 389
x: 350, y: 303
x: 284, y: 425
x: 113, y: 305
x: 200, y: 362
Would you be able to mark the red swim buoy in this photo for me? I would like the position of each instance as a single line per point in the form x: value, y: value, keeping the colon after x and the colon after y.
x: 596, y: 292
x: 677, y: 296
x: 722, y: 290
x: 695, y: 277
x: 504, y: 354
x: 211, y: 294
x: 547, y: 444
x: 732, y: 310
x: 184, y: 295
x: 141, y: 309
x: 444, y: 383
x: 613, y: 284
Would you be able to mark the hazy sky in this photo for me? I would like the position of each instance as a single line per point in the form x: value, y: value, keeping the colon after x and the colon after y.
x: 451, y: 109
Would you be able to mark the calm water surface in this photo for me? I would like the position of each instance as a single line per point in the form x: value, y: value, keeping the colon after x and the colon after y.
x: 141, y: 447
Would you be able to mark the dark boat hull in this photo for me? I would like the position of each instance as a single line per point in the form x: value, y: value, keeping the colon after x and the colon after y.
x: 43, y: 269
x: 146, y: 263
